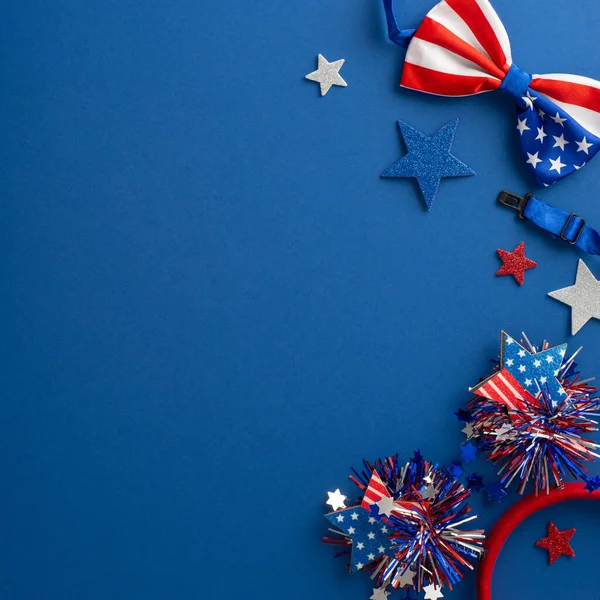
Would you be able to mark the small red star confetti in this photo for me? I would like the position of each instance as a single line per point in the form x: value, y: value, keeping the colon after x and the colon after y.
x: 557, y: 542
x: 515, y: 263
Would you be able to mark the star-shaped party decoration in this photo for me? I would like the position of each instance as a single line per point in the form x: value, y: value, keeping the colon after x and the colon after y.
x: 336, y: 500
x: 495, y: 491
x: 327, y: 74
x: 468, y: 452
x: 515, y: 263
x: 379, y: 594
x: 406, y: 578
x: 557, y: 542
x: 464, y: 415
x: 455, y: 469
x: 428, y: 159
x: 369, y: 536
x: 432, y: 592
x: 583, y: 297
x: 533, y: 370
x: 475, y: 482
x: 593, y: 484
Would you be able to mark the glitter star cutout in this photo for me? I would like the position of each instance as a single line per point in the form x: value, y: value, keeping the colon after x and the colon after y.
x: 432, y: 592
x: 557, y: 542
x: 327, y: 74
x: 583, y: 297
x: 428, y: 159
x: 379, y: 594
x: 336, y: 500
x: 515, y: 263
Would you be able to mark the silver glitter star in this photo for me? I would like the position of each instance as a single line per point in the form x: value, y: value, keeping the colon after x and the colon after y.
x: 327, y: 74
x: 583, y: 297
x: 379, y: 594
x: 406, y: 578
x: 468, y: 431
x: 429, y: 493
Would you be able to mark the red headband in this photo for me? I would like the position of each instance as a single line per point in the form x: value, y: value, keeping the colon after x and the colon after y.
x: 512, y: 519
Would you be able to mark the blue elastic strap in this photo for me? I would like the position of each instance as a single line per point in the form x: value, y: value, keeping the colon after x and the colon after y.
x: 570, y: 227
x: 398, y: 36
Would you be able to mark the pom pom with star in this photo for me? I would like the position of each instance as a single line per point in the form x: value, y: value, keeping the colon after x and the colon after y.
x: 406, y: 528
x: 534, y: 415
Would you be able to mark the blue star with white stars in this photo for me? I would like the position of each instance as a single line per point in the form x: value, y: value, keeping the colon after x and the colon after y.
x: 428, y: 159
x: 533, y: 370
x: 369, y: 536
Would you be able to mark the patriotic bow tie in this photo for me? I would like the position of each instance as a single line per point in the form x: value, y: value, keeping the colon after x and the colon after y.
x: 461, y: 48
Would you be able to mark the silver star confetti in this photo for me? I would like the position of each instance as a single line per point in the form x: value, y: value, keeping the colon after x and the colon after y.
x: 468, y: 431
x: 406, y: 578
x: 429, y: 493
x: 432, y: 592
x: 336, y: 500
x: 583, y: 297
x: 379, y: 594
x: 327, y: 74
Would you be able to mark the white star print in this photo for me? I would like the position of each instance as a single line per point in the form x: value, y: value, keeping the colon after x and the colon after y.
x: 371, y: 536
x: 534, y: 159
x: 510, y: 362
x: 360, y: 546
x: 354, y: 516
x: 528, y: 382
x: 359, y: 566
x: 521, y: 353
x: 384, y: 529
x: 583, y: 145
x: 371, y: 556
x: 381, y: 549
x: 336, y: 500
x: 557, y: 165
x: 509, y: 340
x: 532, y: 98
x: 537, y: 363
x: 560, y: 142
x: 340, y: 518
x: 351, y: 530
x: 558, y: 120
x: 577, y: 167
x: 522, y: 126
x: 549, y: 359
x: 522, y: 369
x: 541, y: 113
x: 372, y: 520
x: 541, y: 134
x: 543, y: 380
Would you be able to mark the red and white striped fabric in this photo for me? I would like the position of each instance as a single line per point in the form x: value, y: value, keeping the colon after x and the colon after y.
x: 461, y: 48
x: 375, y: 492
x: 503, y: 387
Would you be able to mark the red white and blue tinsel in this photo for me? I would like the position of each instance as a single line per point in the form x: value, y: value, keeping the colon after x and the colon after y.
x: 534, y: 415
x: 406, y: 528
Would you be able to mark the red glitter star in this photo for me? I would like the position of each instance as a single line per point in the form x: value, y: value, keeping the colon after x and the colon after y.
x: 557, y: 542
x: 515, y: 263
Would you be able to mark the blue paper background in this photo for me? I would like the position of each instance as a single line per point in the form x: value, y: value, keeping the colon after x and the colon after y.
x: 212, y: 306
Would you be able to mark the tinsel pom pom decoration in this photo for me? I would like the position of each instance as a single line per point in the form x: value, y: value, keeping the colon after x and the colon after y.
x: 534, y: 415
x: 406, y: 526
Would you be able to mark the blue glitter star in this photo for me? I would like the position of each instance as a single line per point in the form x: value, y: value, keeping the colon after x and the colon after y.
x: 464, y: 415
x: 455, y: 469
x: 495, y: 491
x: 468, y: 452
x: 428, y: 159
x: 593, y: 484
x: 475, y: 482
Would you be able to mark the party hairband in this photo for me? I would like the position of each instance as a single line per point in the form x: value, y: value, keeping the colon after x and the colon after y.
x: 408, y: 525
x: 461, y: 48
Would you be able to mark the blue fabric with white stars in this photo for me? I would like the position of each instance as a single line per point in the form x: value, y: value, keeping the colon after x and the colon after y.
x: 553, y: 144
x: 528, y: 369
x: 369, y: 536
